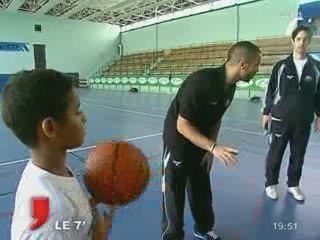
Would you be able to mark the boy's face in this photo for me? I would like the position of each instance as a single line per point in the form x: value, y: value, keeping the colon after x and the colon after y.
x: 73, y: 129
x: 70, y: 132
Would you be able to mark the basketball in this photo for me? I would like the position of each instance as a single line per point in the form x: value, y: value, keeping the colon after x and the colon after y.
x: 116, y: 173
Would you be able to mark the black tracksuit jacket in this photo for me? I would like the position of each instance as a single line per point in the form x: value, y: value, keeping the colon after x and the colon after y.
x: 289, y: 99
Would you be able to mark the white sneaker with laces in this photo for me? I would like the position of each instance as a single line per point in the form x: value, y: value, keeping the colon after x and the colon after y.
x: 272, y: 192
x: 211, y: 235
x: 297, y: 193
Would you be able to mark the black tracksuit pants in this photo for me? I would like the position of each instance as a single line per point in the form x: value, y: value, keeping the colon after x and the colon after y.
x: 297, y: 135
x: 177, y: 178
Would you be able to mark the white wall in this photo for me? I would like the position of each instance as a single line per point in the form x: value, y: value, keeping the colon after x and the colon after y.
x: 218, y: 26
x: 71, y: 46
x: 260, y: 19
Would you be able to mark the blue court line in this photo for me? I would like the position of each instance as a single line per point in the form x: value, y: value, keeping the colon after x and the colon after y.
x: 80, y: 149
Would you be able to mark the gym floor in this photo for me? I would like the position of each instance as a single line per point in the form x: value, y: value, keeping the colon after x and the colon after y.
x: 243, y: 212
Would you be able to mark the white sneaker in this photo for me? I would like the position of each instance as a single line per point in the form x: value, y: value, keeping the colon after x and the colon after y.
x: 297, y: 193
x: 211, y: 235
x: 272, y: 192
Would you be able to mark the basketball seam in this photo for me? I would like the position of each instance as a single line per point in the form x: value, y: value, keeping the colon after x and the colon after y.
x: 114, y: 172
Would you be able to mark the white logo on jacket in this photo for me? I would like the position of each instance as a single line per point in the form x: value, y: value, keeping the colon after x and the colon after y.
x: 308, y: 78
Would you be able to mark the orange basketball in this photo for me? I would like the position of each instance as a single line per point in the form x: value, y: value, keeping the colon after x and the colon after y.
x: 116, y: 173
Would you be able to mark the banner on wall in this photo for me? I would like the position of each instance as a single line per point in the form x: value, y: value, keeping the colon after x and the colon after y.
x: 14, y: 47
x: 258, y: 83
x: 309, y: 9
x: 161, y: 83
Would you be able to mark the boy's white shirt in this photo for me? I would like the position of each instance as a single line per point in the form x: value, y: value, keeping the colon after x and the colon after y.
x: 68, y: 203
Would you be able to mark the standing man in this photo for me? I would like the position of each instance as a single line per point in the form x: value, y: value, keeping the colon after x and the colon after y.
x: 190, y: 132
x: 292, y: 99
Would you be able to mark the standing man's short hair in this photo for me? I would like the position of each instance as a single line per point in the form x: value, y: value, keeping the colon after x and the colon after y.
x: 301, y: 28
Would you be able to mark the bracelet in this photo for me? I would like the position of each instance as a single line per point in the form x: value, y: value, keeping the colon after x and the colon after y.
x: 212, y: 147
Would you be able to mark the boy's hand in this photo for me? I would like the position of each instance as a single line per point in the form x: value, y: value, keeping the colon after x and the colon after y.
x: 93, y: 203
x: 104, y: 223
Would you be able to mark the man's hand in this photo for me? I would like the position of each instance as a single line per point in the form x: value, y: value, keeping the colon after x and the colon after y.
x: 226, y: 155
x: 266, y: 119
x: 317, y: 124
x: 207, y: 161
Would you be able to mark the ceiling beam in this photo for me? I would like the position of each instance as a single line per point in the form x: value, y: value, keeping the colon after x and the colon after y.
x: 135, y: 8
x: 48, y: 6
x: 140, y: 16
x: 76, y: 9
x: 14, y: 5
x: 194, y: 2
x: 110, y: 8
x: 151, y: 7
x: 173, y: 7
x: 92, y: 16
x: 4, y: 4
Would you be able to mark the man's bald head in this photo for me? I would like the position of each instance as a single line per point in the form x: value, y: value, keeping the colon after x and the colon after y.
x: 243, y: 51
x: 243, y: 61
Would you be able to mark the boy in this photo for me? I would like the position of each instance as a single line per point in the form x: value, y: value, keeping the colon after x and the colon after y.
x: 42, y: 109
